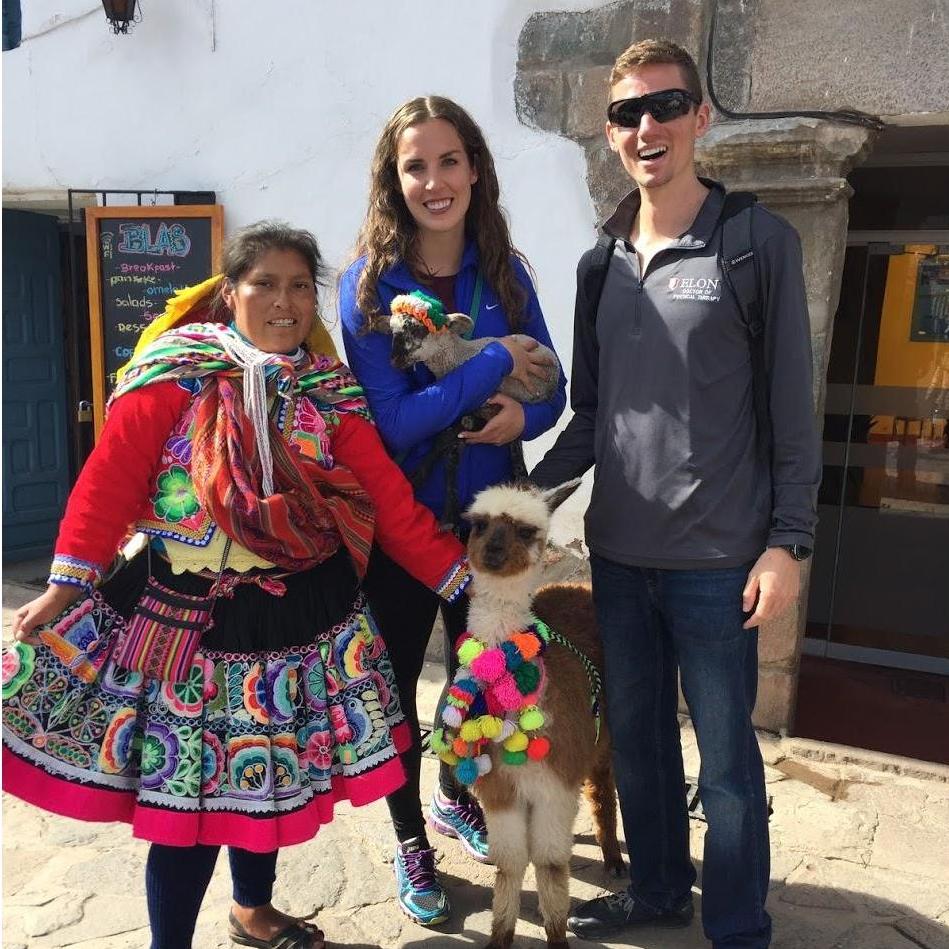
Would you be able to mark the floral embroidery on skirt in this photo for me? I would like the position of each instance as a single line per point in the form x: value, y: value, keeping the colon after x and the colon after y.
x: 251, y: 749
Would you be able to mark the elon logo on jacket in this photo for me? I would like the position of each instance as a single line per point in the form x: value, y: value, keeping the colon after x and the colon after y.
x: 700, y: 289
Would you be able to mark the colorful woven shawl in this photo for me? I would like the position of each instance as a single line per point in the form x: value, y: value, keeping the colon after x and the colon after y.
x: 308, y: 509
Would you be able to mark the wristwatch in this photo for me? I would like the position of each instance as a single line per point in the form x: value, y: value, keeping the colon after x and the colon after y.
x: 797, y: 551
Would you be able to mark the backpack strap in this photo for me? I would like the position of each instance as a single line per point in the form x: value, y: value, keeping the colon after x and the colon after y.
x: 595, y: 276
x: 739, y: 265
x: 740, y: 271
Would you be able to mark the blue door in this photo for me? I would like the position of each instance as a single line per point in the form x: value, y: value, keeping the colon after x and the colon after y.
x: 35, y: 457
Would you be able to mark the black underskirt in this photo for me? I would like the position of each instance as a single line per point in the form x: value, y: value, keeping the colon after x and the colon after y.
x: 253, y: 620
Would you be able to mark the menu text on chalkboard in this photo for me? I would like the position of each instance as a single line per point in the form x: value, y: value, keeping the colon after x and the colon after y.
x: 139, y: 257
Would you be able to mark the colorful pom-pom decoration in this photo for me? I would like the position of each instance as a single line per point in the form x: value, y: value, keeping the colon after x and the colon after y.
x: 512, y: 658
x: 507, y: 693
x: 517, y: 742
x: 538, y: 748
x: 470, y: 731
x: 492, y: 698
x: 467, y: 771
x: 531, y: 719
x: 494, y: 707
x: 490, y: 665
x: 458, y: 702
x: 527, y: 677
x: 463, y: 691
x: 528, y: 645
x: 469, y: 650
x: 491, y: 726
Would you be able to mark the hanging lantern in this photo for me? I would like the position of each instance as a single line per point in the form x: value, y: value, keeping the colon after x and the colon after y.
x: 121, y: 14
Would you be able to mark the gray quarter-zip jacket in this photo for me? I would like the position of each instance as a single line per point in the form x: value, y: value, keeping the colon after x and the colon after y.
x: 661, y: 391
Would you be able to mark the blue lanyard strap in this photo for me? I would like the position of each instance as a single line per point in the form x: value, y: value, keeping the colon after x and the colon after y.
x: 475, y: 304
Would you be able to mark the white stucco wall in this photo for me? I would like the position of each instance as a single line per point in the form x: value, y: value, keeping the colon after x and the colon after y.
x: 277, y: 106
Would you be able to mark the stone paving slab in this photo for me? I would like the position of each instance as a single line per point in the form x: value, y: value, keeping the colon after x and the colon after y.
x: 860, y: 860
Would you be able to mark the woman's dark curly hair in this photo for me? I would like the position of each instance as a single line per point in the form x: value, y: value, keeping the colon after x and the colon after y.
x: 389, y: 233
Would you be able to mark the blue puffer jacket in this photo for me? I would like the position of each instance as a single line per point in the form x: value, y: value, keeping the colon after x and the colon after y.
x: 411, y: 407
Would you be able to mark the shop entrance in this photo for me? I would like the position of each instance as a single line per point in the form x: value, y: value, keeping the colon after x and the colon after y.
x: 875, y: 668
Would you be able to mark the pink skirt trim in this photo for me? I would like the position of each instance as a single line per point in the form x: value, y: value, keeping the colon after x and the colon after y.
x: 32, y: 784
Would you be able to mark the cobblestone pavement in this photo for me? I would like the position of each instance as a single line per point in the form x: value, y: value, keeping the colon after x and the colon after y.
x: 860, y: 860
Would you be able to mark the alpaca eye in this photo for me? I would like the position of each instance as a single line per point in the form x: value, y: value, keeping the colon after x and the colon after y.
x: 479, y: 525
x: 526, y: 534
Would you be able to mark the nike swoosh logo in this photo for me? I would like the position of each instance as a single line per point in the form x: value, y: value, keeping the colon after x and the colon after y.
x: 489, y: 306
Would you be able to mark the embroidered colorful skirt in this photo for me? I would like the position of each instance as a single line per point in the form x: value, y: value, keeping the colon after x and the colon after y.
x: 253, y: 749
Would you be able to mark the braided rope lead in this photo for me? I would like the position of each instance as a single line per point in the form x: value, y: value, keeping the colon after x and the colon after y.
x: 596, y: 684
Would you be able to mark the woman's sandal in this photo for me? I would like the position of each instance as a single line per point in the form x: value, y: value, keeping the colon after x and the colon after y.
x: 298, y: 935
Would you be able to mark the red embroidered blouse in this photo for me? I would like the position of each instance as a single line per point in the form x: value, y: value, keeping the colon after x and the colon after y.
x: 119, y: 478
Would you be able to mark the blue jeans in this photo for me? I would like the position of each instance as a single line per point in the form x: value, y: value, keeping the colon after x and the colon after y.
x: 654, y: 623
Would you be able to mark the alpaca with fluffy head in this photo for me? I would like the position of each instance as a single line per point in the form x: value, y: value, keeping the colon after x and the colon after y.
x: 518, y: 721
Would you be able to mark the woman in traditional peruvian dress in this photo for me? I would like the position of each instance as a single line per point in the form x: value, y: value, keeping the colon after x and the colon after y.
x: 251, y: 465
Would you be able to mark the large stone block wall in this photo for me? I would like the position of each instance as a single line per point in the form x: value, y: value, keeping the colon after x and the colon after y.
x: 886, y: 58
x: 880, y: 57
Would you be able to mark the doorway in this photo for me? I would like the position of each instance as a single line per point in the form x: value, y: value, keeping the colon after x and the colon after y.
x: 35, y: 421
x: 875, y: 665
x: 875, y: 660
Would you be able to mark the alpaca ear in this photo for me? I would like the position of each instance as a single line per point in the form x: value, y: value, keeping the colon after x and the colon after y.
x: 458, y: 323
x: 554, y: 497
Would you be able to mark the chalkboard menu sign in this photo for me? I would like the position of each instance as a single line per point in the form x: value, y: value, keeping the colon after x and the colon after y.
x: 139, y: 257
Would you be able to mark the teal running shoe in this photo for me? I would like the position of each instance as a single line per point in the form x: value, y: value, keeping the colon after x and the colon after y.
x: 463, y: 819
x: 421, y: 896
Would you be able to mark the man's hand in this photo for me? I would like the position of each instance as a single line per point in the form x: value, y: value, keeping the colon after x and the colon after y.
x: 504, y: 427
x: 775, y: 582
x: 40, y: 611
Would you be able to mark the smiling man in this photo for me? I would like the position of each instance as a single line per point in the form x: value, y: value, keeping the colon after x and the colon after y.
x: 691, y: 394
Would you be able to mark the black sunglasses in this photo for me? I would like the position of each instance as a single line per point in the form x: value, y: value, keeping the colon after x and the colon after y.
x: 663, y: 106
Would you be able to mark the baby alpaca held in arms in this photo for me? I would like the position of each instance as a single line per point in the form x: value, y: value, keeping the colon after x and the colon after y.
x: 421, y: 332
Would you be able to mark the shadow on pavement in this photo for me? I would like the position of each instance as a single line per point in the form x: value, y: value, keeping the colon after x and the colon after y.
x: 805, y: 916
